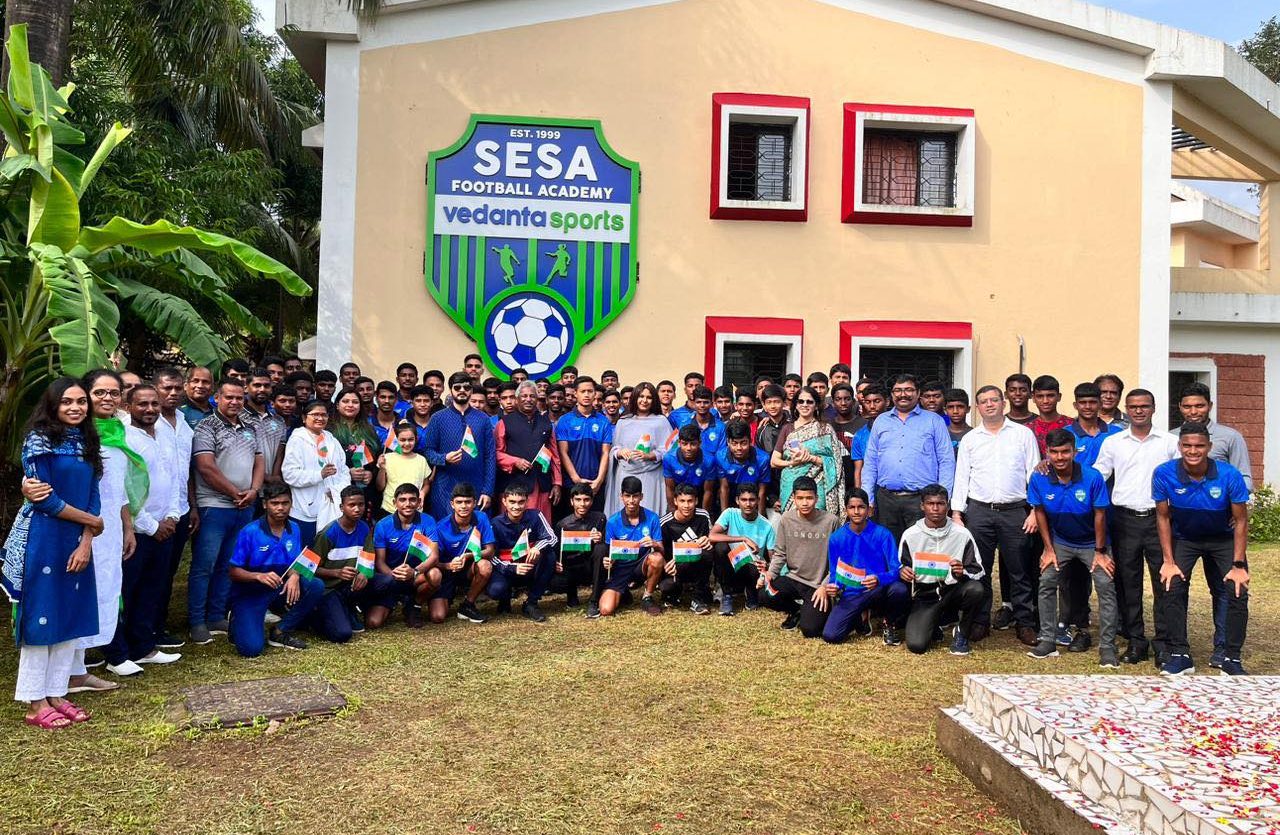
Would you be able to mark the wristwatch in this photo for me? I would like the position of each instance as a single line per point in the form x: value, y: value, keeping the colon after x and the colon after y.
x: 1240, y: 564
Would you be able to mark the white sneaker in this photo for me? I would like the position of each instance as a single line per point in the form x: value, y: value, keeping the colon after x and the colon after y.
x: 271, y: 618
x: 128, y: 668
x: 158, y: 657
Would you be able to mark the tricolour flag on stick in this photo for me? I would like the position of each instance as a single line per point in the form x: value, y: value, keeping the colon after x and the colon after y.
x: 740, y: 556
x: 365, y: 564
x: 469, y: 443
x: 624, y: 550
x: 543, y: 459
x: 518, y: 551
x: 322, y: 451
x: 392, y: 444
x: 419, y: 547
x: 574, y: 542
x: 849, y: 576
x: 361, y: 456
x: 930, y: 566
x: 686, y: 551
x: 768, y: 585
x: 474, y: 546
x: 645, y: 444
x: 306, y: 563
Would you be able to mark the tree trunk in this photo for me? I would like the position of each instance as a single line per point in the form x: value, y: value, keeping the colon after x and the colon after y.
x: 48, y: 33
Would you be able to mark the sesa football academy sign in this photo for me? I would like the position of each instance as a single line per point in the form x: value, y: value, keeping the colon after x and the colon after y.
x: 531, y: 238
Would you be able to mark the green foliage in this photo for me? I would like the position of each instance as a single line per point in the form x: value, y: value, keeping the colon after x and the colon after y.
x: 1263, y: 49
x: 1264, y: 515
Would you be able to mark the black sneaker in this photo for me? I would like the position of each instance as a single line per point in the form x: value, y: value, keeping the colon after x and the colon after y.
x: 593, y: 610
x: 792, y: 621
x: 357, y: 623
x: 218, y: 627
x: 1003, y: 618
x: 1107, y: 658
x: 1232, y: 667
x: 504, y: 607
x: 1081, y: 642
x: 533, y: 613
x: 891, y: 637
x: 287, y: 640
x: 167, y: 640
x: 1044, y: 649
x: 649, y: 606
x: 571, y: 600
x: 1215, y: 660
x: 468, y: 611
x: 1134, y: 655
x: 200, y: 635
x: 413, y: 616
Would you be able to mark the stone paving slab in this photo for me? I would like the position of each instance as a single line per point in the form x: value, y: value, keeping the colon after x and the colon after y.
x: 238, y: 703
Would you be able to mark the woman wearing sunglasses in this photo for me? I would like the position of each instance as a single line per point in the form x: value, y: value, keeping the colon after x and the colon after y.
x: 808, y: 446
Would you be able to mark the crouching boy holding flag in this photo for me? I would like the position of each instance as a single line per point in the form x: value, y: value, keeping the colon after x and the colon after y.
x: 862, y: 574
x: 635, y: 555
x: 940, y: 560
x: 525, y: 554
x: 465, y: 541
x: 271, y: 570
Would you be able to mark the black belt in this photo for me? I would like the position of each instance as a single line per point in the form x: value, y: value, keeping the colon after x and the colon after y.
x: 1001, y: 506
x: 898, y: 492
x: 1137, y: 514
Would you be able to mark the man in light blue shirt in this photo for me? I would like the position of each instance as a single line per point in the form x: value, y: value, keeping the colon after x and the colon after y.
x: 908, y: 449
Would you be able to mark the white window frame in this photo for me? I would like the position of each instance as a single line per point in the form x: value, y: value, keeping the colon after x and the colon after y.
x: 1206, y: 371
x: 966, y: 155
x: 798, y: 119
x: 794, y: 343
x: 961, y: 363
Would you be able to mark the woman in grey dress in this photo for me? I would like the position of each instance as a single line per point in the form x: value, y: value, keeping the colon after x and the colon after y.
x: 639, y: 441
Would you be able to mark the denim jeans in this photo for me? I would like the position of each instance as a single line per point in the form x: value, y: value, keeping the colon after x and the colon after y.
x: 1108, y: 612
x: 208, y: 583
x: 249, y: 609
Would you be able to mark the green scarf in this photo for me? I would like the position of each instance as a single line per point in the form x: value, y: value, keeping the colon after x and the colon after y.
x: 136, y: 481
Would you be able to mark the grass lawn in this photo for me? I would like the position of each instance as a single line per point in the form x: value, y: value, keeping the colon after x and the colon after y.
x: 632, y: 724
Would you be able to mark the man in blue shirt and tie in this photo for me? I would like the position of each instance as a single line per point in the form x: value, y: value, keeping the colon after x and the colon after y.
x: 1201, y: 511
x: 908, y: 449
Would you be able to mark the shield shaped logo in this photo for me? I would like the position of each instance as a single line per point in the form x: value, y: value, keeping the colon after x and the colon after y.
x: 1081, y: 495
x: 531, y: 238
x: 1215, y: 492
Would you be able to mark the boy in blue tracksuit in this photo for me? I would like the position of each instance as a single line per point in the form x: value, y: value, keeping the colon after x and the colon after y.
x: 261, y: 578
x: 458, y: 567
x: 408, y: 576
x: 862, y: 574
x: 536, y: 569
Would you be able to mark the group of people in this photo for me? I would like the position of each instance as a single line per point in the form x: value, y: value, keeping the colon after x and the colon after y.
x: 324, y: 502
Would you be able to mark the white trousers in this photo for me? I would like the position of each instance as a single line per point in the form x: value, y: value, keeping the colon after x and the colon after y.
x: 43, y: 671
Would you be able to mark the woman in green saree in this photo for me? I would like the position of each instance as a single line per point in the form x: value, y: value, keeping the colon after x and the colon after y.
x: 808, y: 446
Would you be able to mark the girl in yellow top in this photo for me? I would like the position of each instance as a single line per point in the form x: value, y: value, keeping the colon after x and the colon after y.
x: 402, y: 467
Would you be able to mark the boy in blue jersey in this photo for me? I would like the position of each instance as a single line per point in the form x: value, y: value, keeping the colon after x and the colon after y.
x: 707, y: 420
x: 688, y: 463
x: 634, y: 538
x: 682, y: 415
x: 339, y: 546
x: 261, y: 579
x: 1071, y: 504
x: 403, y: 577
x: 459, y: 566
x: 1202, y: 511
x: 739, y: 462
x: 536, y: 568
x: 584, y: 437
x: 875, y: 399
x: 741, y: 525
x: 862, y: 575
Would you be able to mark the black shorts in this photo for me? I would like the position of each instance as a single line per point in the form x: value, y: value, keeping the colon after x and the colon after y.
x: 621, y: 576
x: 450, y: 580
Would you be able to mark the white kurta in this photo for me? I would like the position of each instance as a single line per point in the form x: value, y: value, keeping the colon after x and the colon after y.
x: 108, y: 547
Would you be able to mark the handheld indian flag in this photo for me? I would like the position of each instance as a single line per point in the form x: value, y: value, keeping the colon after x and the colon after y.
x: 686, y: 551
x: 543, y: 460
x: 306, y: 563
x: 518, y: 551
x: 768, y: 585
x: 930, y: 566
x: 361, y: 456
x: 575, y: 542
x: 624, y: 550
x: 365, y: 565
x: 392, y: 444
x: 469, y: 443
x: 322, y: 451
x: 740, y: 556
x: 419, y: 547
x: 645, y: 444
x: 474, y: 546
x: 849, y: 576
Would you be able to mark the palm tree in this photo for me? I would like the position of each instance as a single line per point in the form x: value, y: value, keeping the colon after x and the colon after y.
x: 49, y: 24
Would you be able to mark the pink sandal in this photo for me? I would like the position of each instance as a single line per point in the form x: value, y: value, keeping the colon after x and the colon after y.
x: 49, y: 718
x: 75, y: 714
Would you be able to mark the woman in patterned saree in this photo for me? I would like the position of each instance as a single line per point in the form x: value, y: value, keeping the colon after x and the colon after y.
x: 808, y: 446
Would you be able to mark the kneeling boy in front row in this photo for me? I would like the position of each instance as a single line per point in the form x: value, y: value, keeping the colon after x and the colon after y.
x: 634, y: 555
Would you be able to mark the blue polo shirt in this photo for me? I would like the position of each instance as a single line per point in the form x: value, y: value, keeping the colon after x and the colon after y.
x: 755, y: 470
x: 713, y: 439
x: 680, y: 416
x: 1087, y: 445
x: 858, y: 446
x: 259, y: 550
x: 1200, y: 509
x: 1070, y: 506
x: 388, y: 534
x: 586, y: 437
x: 452, y: 541
x: 696, y: 473
x: 619, y: 528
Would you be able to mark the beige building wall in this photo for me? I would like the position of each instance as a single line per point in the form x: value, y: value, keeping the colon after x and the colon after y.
x: 1190, y: 249
x: 1053, y: 254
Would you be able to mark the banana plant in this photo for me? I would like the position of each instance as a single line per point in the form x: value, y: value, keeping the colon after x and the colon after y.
x: 62, y: 285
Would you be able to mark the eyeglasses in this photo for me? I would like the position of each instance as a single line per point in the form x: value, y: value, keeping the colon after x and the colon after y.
x: 111, y: 393
x: 461, y: 387
x: 904, y: 391
x: 806, y: 403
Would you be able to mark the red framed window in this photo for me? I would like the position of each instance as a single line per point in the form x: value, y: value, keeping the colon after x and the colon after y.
x: 759, y: 157
x: 740, y: 347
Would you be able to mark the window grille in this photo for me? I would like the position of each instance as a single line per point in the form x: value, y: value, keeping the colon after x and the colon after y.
x: 759, y: 164
x: 903, y: 168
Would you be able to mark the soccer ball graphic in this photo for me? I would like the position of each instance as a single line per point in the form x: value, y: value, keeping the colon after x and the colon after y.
x: 529, y: 333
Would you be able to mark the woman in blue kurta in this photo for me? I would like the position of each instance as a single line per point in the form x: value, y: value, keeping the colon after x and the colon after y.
x: 47, y: 558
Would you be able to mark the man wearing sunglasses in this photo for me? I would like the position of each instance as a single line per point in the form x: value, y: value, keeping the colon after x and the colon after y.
x: 453, y: 461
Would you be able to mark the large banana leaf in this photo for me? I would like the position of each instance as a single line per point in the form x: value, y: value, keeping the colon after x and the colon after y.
x: 88, y: 318
x: 54, y: 212
x: 173, y: 317
x: 113, y: 138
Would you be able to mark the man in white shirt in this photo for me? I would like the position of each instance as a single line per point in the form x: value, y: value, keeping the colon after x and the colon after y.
x: 993, y: 463
x: 1131, y: 457
x: 134, y: 642
x: 173, y: 430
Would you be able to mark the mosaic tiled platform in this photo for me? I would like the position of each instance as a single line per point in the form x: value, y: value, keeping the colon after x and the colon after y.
x: 1128, y: 754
